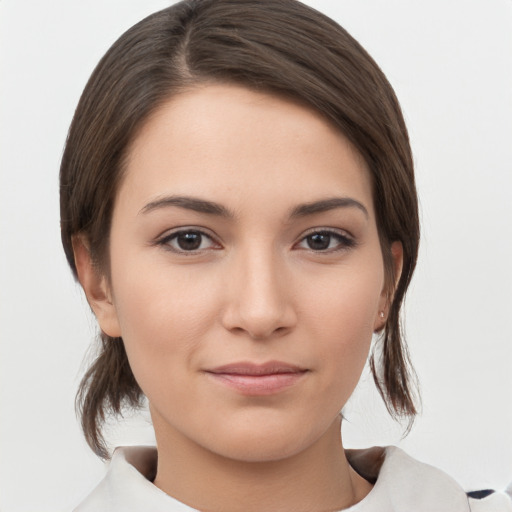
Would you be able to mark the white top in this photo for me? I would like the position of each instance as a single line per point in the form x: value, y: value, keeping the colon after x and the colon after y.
x: 403, y: 484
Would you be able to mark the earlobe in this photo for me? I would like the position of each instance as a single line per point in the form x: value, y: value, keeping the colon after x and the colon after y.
x: 397, y: 256
x: 96, y: 288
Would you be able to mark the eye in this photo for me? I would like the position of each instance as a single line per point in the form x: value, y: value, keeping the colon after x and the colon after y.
x: 188, y: 240
x: 326, y: 241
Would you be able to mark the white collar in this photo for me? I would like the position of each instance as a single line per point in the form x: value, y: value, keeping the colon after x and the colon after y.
x: 403, y: 484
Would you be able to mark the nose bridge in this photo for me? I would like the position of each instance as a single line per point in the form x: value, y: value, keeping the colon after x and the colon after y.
x: 260, y: 299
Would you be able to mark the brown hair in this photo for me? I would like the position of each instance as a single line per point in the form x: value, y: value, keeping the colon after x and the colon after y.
x: 278, y: 46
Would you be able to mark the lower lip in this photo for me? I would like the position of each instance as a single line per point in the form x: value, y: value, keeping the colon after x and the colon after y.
x: 258, y: 385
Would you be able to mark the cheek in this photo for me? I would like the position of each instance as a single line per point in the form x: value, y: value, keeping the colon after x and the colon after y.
x: 342, y: 324
x: 346, y: 300
x: 163, y: 314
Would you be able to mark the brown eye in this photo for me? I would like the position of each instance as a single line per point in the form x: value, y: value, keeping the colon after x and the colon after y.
x: 319, y: 241
x: 326, y: 241
x: 188, y: 241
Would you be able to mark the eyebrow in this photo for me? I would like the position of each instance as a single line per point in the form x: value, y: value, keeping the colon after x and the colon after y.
x: 189, y: 203
x: 325, y: 205
x: 211, y: 208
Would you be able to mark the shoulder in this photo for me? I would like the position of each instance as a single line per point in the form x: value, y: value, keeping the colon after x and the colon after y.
x: 403, y: 483
x: 127, y: 485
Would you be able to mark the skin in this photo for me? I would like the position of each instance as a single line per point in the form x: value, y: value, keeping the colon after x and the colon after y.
x: 257, y: 289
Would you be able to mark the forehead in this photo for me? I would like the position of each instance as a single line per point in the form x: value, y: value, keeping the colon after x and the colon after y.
x: 235, y: 143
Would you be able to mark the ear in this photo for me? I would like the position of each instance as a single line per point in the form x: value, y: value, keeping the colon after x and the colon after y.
x: 96, y: 288
x: 386, y: 298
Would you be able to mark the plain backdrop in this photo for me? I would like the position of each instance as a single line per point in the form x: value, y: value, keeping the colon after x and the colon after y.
x: 450, y: 62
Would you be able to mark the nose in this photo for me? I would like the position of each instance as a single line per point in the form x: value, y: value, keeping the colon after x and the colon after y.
x: 259, y: 298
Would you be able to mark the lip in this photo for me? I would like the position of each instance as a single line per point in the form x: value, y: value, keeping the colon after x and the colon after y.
x: 258, y: 379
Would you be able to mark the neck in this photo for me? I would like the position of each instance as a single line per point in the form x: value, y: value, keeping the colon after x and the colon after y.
x: 318, y: 478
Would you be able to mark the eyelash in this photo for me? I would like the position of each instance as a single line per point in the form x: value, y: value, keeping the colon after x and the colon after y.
x: 165, y: 241
x: 344, y: 241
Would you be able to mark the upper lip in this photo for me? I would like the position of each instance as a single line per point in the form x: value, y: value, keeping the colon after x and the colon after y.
x: 249, y: 368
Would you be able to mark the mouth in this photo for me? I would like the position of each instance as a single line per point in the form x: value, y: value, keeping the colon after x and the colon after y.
x: 258, y: 379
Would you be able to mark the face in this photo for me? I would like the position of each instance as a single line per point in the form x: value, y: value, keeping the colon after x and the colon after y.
x: 246, y: 272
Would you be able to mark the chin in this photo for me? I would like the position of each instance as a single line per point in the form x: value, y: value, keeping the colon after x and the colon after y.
x: 265, y: 444
x: 260, y: 450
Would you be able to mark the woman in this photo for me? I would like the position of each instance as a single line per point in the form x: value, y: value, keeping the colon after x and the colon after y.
x: 238, y: 203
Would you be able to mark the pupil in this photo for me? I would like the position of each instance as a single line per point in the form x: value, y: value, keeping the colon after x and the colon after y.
x: 319, y: 242
x: 189, y: 241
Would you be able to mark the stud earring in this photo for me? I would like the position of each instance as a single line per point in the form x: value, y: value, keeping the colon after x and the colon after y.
x: 381, y: 314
